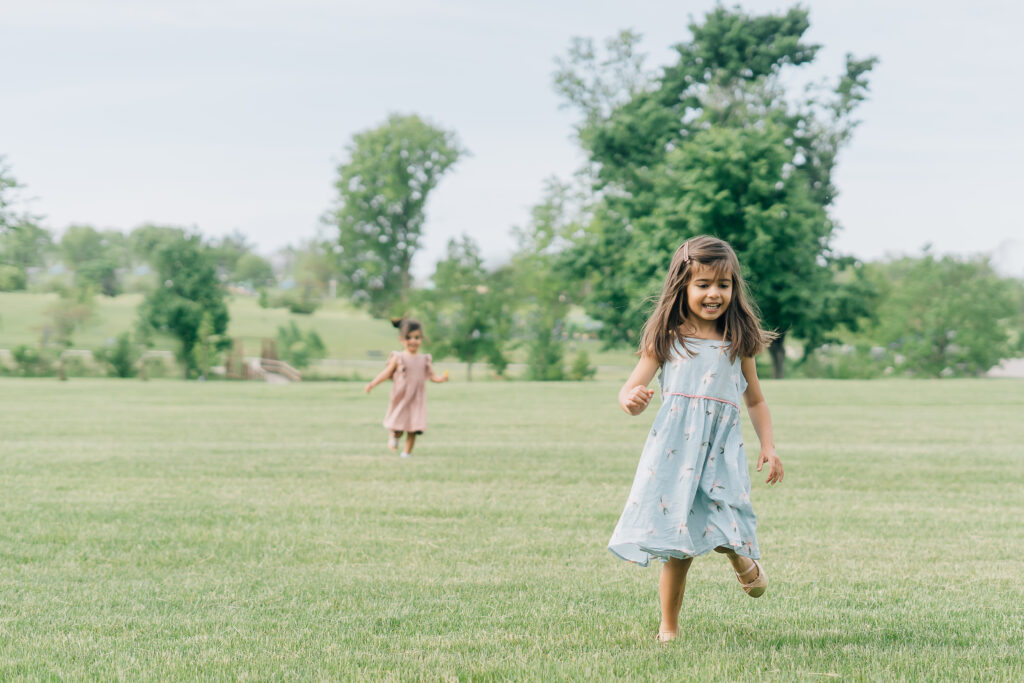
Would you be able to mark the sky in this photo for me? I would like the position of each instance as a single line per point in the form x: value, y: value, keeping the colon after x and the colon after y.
x: 228, y: 116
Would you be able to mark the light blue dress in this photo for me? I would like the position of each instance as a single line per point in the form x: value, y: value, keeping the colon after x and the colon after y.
x: 691, y: 492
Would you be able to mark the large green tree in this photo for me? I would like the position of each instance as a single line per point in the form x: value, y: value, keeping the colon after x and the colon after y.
x: 189, y: 301
x: 715, y: 145
x: 468, y: 310
x: 382, y: 195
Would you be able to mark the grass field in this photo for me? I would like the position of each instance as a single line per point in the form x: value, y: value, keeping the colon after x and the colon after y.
x: 171, y: 530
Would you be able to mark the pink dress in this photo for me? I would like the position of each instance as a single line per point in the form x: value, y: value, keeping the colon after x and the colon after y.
x: 407, y: 409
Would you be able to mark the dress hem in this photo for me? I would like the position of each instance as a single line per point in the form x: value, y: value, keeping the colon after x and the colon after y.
x: 407, y: 431
x: 664, y: 554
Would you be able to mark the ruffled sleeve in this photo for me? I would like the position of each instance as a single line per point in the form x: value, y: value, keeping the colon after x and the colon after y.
x: 396, y: 356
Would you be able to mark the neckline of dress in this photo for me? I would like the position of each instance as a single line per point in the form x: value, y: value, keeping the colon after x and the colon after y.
x: 720, y: 341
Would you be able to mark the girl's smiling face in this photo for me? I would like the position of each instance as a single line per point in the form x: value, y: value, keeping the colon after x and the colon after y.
x: 413, y: 341
x: 709, y: 292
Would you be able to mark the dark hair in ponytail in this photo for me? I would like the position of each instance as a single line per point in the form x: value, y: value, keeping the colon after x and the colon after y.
x: 406, y: 326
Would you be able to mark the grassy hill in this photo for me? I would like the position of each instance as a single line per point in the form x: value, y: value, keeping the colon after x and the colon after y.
x: 350, y: 335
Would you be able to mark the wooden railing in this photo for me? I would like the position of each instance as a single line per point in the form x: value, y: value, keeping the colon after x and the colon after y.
x: 279, y: 367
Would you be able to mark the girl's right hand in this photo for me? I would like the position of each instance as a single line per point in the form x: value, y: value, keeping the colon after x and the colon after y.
x: 636, y: 400
x: 369, y: 386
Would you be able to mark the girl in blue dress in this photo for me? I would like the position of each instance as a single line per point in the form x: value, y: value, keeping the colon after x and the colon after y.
x: 691, y: 493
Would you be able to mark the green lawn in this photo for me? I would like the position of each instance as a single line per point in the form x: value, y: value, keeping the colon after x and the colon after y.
x: 171, y: 530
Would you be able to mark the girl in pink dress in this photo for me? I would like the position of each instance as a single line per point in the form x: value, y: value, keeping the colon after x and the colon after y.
x: 409, y: 370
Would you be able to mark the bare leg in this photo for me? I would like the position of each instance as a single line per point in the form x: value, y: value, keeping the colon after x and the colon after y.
x: 671, y: 588
x: 393, y: 437
x: 410, y: 441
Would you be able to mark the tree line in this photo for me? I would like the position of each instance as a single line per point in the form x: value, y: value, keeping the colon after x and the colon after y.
x: 711, y: 143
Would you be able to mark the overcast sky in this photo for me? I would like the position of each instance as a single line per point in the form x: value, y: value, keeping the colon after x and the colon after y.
x: 234, y: 115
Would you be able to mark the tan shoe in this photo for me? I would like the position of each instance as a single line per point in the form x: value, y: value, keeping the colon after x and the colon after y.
x: 756, y: 587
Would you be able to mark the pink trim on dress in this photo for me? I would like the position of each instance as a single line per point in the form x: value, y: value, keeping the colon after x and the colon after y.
x: 710, y: 398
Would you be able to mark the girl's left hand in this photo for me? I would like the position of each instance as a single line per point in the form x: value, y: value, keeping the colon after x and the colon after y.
x: 774, y: 465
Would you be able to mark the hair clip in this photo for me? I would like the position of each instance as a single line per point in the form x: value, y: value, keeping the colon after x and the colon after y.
x: 686, y: 251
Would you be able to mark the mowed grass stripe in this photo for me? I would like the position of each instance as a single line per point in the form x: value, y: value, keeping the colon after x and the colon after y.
x: 169, y: 530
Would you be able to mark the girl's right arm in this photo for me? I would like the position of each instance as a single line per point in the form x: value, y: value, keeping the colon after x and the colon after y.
x: 634, y: 394
x: 385, y: 373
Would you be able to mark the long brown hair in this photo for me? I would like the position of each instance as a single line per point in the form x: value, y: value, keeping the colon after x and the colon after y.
x: 741, y: 323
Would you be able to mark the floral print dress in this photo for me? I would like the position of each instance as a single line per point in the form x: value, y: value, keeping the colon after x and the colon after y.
x: 691, y: 492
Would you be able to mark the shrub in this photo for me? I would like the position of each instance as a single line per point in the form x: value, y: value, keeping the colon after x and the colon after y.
x: 297, y: 347
x: 581, y: 368
x: 12, y: 279
x: 30, y: 361
x: 291, y: 300
x: 846, y: 361
x: 303, y: 307
x: 120, y: 357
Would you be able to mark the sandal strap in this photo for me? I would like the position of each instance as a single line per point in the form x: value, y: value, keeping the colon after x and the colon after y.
x: 753, y: 565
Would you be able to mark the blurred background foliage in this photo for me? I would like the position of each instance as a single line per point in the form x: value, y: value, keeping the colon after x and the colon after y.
x: 711, y: 143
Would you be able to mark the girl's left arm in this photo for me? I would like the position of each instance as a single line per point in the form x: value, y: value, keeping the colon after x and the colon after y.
x: 757, y: 406
x: 436, y: 378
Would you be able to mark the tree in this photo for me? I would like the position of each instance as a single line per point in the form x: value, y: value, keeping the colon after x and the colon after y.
x: 94, y: 257
x: 383, y: 190
x: 117, y: 248
x: 188, y: 291
x: 947, y: 316
x: 73, y: 308
x: 714, y: 145
x: 23, y: 243
x: 544, y: 284
x: 253, y: 270
x: 468, y: 311
x: 64, y: 318
x: 597, y: 86
x: 313, y: 267
x: 25, y: 247
x: 146, y: 240
x: 8, y: 188
x: 228, y: 251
